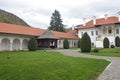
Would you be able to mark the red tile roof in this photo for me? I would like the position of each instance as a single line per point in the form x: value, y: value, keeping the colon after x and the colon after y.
x: 72, y: 31
x: 101, y: 21
x: 24, y: 30
x: 64, y: 35
x: 17, y: 29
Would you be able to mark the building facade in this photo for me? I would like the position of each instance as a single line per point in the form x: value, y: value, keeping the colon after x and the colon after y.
x: 16, y: 37
x: 100, y: 28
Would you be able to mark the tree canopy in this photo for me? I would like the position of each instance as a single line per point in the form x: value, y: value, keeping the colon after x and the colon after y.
x: 85, y: 43
x: 56, y: 22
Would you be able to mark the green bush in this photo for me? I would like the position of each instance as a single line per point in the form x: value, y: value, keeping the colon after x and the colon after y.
x: 85, y: 43
x: 79, y: 43
x: 96, y: 50
x: 112, y: 46
x: 117, y: 41
x: 106, y: 42
x: 66, y: 44
x: 32, y: 44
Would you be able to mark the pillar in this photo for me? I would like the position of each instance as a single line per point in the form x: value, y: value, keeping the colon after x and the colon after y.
x: 11, y: 44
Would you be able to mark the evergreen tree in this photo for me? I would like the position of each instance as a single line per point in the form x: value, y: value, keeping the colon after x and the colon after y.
x: 85, y: 43
x: 66, y: 44
x: 56, y: 22
x: 32, y: 44
x: 117, y: 41
x: 79, y: 43
x: 106, y: 42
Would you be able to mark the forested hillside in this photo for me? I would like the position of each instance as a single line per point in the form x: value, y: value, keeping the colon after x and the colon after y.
x: 8, y: 17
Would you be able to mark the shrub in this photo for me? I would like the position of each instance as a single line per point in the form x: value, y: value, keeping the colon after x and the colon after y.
x: 85, y: 43
x: 32, y: 44
x: 106, y: 42
x: 96, y: 50
x: 66, y: 44
x: 79, y: 43
x: 112, y: 46
x: 117, y: 41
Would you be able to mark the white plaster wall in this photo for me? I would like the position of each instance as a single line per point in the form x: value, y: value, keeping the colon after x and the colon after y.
x: 13, y: 44
x: 72, y: 43
x: 99, y: 44
x: 88, y: 30
x: 60, y: 43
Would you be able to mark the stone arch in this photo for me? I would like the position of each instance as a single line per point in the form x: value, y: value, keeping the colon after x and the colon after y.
x: 5, y: 44
x: 25, y: 44
x: 16, y: 44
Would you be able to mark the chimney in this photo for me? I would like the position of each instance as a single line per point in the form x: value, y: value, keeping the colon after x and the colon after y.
x: 94, y: 20
x: 106, y: 15
x: 84, y: 21
x: 73, y: 27
x: 118, y: 15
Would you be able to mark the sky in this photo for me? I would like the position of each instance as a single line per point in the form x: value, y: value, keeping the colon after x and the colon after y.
x: 37, y: 13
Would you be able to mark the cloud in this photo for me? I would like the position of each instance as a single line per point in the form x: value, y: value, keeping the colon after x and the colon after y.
x: 37, y: 13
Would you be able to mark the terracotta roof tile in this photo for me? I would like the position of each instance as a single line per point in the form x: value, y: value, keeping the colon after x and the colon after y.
x: 101, y: 21
x: 112, y: 20
x: 17, y: 29
x: 89, y: 24
x: 23, y: 30
x: 64, y: 35
x: 72, y: 32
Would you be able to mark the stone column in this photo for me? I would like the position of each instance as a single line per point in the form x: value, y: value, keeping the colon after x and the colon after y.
x: 11, y: 44
x: 21, y: 41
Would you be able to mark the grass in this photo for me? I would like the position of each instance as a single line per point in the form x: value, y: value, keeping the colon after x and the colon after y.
x: 74, y: 48
x: 113, y: 52
x: 43, y: 65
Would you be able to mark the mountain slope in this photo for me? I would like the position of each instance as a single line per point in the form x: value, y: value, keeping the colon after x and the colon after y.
x: 7, y: 17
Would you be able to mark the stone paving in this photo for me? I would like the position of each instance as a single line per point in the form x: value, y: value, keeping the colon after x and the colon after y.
x: 112, y: 72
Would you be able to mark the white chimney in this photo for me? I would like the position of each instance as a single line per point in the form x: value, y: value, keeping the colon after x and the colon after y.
x: 118, y: 15
x: 84, y: 21
x: 106, y: 15
x: 73, y: 27
x: 94, y: 20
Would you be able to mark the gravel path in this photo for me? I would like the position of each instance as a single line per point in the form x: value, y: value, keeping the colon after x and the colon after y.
x: 112, y: 72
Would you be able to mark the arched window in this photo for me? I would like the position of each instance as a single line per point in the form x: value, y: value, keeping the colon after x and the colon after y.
x: 5, y: 44
x: 16, y: 44
x: 25, y: 44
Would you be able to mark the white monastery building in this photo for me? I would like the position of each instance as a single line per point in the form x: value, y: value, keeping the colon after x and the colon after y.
x: 100, y: 28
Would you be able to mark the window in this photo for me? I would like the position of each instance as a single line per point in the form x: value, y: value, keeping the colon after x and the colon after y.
x: 92, y: 33
x: 96, y: 32
x: 117, y: 31
x: 109, y: 30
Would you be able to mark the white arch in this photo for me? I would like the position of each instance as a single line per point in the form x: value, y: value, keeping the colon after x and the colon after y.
x: 25, y: 44
x: 5, y: 44
x: 16, y: 44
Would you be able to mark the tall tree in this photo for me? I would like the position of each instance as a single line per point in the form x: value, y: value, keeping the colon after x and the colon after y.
x: 56, y: 22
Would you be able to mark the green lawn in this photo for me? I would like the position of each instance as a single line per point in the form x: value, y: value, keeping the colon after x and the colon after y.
x: 114, y: 52
x: 41, y: 65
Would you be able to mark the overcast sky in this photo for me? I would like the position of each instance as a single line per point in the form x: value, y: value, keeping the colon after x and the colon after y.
x: 37, y: 13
